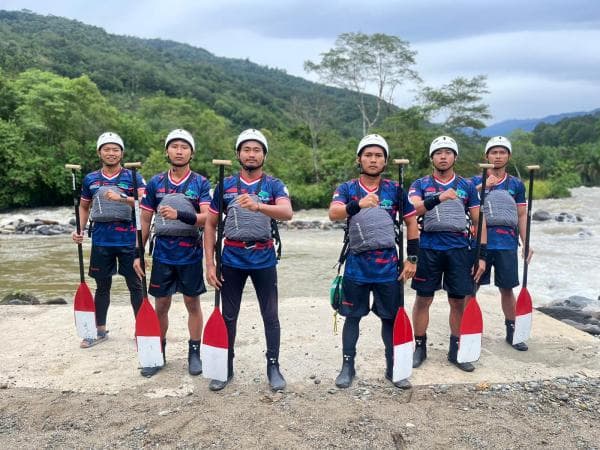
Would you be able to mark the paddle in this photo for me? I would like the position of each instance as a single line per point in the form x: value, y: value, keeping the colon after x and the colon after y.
x: 147, y: 326
x: 215, y: 342
x: 83, y: 303
x: 403, y: 334
x: 471, y: 325
x: 524, y: 307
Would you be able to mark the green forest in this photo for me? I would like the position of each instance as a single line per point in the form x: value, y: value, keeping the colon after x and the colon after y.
x: 62, y: 83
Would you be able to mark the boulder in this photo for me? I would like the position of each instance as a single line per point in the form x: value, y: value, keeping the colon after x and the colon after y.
x: 581, y: 312
x: 19, y: 298
x: 56, y: 301
x: 541, y: 215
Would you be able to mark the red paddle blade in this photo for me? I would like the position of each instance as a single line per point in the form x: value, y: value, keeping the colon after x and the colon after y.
x: 524, y: 313
x: 84, y: 300
x: 403, y: 346
x: 471, y: 329
x: 85, y: 312
x: 214, y: 348
x: 147, y: 336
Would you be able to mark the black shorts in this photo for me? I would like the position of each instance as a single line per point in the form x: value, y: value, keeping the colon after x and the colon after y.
x: 506, y: 268
x: 167, y: 279
x: 447, y: 269
x: 386, y: 299
x: 103, y: 261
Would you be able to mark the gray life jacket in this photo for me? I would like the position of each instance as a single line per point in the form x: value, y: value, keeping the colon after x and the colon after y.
x: 105, y: 210
x: 370, y: 228
x: 500, y: 207
x: 448, y: 216
x: 178, y: 201
x: 244, y: 225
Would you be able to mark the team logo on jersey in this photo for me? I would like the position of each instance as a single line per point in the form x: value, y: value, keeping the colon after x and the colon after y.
x: 386, y: 204
x: 461, y: 193
x: 264, y: 196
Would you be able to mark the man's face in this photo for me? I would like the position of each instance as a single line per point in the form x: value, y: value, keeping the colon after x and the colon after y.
x: 498, y: 156
x: 443, y: 159
x: 110, y: 154
x: 372, y: 160
x: 251, y: 155
x: 179, y: 153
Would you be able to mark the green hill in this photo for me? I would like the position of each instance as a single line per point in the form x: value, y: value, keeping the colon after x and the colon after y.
x: 122, y: 66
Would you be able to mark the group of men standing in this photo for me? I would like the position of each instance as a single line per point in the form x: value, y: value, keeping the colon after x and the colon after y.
x: 439, y: 250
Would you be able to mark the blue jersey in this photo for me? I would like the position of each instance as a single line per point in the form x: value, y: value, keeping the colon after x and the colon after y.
x: 177, y: 250
x: 501, y: 237
x: 428, y: 186
x: 118, y: 233
x: 374, y: 266
x: 249, y: 255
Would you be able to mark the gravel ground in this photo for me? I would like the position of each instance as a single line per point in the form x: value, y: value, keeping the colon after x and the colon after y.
x: 557, y: 413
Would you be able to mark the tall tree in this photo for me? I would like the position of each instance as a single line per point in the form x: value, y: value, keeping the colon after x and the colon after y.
x: 311, y: 111
x: 361, y: 62
x: 459, y: 101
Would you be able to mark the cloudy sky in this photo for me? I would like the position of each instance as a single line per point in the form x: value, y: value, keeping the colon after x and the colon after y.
x: 541, y: 56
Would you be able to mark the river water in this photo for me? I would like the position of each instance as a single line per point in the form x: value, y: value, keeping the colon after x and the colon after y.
x: 565, y: 261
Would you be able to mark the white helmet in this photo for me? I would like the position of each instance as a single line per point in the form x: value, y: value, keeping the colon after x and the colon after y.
x: 373, y: 139
x: 109, y: 138
x: 251, y: 135
x: 443, y: 142
x: 182, y: 134
x: 498, y: 141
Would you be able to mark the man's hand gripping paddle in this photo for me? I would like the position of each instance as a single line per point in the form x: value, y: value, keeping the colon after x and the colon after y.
x: 83, y: 304
x: 215, y: 342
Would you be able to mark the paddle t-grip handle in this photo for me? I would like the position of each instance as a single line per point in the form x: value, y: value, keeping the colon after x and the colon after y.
x: 221, y: 162
x: 133, y: 165
x: 401, y: 162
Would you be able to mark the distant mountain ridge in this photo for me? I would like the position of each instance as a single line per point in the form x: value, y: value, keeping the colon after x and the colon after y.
x: 508, y: 126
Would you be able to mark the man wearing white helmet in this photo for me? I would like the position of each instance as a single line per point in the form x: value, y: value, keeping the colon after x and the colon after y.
x: 251, y: 200
x: 370, y: 204
x: 444, y: 199
x: 179, y: 198
x: 107, y: 197
x: 505, y: 212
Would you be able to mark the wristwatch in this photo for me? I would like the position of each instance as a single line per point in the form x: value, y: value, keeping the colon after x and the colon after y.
x: 412, y: 259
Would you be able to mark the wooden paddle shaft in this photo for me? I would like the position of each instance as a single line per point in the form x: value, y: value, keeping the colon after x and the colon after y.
x: 484, y: 167
x: 74, y: 168
x: 531, y: 169
x: 220, y: 225
x: 134, y: 166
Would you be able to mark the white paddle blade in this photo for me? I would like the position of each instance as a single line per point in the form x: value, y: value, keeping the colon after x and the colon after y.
x: 85, y: 322
x: 149, y: 351
x: 469, y: 348
x: 403, y: 360
x: 522, y: 331
x: 214, y: 362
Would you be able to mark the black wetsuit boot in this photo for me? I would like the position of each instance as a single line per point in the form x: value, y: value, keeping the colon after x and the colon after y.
x: 452, y: 353
x: 194, y: 361
x: 346, y: 375
x: 510, y: 331
x: 420, y: 353
x: 276, y: 380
